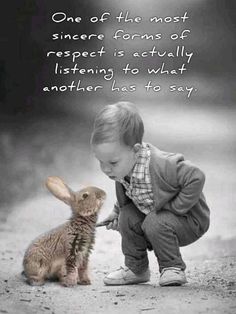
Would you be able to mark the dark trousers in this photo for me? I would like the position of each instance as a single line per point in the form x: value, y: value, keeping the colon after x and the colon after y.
x: 162, y: 231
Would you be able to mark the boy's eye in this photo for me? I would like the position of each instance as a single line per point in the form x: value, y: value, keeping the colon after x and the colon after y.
x: 113, y: 163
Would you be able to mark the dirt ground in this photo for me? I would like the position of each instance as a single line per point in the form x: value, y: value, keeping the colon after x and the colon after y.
x: 211, y: 272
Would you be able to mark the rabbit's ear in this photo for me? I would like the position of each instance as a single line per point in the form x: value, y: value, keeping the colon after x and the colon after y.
x: 59, y: 189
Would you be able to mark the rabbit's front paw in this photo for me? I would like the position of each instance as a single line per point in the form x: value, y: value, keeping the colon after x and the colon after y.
x: 34, y: 282
x: 69, y: 281
x: 84, y: 281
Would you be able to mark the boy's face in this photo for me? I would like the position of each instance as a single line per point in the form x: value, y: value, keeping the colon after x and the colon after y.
x: 116, y: 159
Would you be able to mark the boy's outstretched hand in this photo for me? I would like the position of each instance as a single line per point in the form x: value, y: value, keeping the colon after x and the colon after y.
x: 111, y: 222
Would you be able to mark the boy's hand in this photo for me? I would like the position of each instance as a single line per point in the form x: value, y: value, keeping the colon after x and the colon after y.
x: 111, y: 222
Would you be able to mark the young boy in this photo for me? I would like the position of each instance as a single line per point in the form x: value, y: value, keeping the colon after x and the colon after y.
x: 160, y: 203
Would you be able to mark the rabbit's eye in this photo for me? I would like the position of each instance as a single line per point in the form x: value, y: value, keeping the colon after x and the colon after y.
x: 85, y: 195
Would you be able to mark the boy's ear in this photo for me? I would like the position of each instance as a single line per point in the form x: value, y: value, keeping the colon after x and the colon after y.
x: 136, y: 147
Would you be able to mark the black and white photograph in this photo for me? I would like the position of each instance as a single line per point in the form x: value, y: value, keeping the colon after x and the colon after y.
x: 117, y: 157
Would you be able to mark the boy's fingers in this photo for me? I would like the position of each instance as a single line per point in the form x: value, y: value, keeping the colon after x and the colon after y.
x: 113, y: 225
x: 110, y: 225
x: 102, y: 223
x: 107, y: 221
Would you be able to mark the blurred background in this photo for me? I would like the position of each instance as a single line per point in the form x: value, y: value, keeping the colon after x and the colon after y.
x: 45, y: 134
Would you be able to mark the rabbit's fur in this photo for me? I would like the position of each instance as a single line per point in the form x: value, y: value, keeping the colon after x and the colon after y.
x: 63, y: 252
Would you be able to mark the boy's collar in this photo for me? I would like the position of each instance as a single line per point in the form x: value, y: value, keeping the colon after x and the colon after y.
x: 127, y: 179
x: 133, y: 173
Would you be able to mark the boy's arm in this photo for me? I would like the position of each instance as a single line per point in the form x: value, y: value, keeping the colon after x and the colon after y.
x: 191, y: 181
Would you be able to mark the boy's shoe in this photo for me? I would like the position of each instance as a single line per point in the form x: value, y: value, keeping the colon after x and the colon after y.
x: 172, y: 276
x: 124, y: 276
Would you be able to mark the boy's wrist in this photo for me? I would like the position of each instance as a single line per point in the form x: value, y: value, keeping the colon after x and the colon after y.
x: 116, y: 208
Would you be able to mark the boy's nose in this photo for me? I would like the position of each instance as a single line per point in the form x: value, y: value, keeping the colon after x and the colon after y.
x: 106, y: 170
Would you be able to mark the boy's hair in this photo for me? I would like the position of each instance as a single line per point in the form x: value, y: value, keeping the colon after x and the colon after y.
x: 118, y: 122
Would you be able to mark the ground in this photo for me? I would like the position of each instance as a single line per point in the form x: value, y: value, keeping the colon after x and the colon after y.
x: 211, y: 272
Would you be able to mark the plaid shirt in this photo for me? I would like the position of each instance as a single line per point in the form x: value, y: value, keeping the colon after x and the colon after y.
x: 139, y: 189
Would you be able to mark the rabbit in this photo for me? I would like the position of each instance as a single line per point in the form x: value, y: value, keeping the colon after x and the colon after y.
x: 63, y: 252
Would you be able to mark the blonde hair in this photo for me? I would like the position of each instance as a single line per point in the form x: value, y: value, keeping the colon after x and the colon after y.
x: 118, y: 122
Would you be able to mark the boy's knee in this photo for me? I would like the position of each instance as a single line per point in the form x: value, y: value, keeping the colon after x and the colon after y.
x: 156, y: 223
